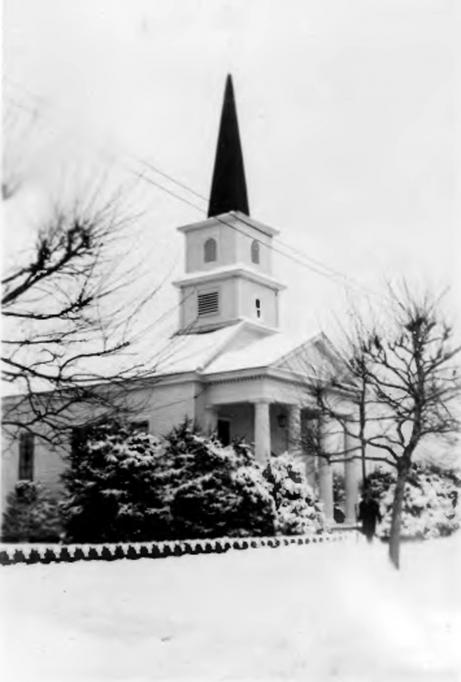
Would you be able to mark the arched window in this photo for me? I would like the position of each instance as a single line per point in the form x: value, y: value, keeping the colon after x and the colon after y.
x: 210, y: 250
x: 255, y: 251
x: 258, y: 307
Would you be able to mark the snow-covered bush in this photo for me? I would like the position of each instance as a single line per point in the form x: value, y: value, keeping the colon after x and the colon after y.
x: 31, y: 515
x: 130, y: 486
x: 113, y: 488
x: 125, y: 486
x: 214, y: 490
x: 298, y: 511
x: 378, y: 482
x: 430, y: 506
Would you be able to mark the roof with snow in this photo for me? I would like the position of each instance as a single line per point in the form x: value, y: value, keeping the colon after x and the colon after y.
x: 191, y: 352
x: 240, y: 347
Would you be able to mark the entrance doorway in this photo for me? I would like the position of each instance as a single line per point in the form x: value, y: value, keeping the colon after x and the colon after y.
x: 223, y: 429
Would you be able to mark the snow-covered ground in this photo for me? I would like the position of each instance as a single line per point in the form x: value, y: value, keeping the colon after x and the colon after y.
x: 315, y: 612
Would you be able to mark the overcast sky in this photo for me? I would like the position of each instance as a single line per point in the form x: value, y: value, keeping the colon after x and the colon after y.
x: 346, y: 112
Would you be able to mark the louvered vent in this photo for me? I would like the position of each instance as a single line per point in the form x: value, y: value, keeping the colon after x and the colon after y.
x: 208, y: 303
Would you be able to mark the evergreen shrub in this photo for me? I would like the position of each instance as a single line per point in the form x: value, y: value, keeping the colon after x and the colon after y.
x: 214, y: 490
x: 297, y: 509
x: 32, y: 514
x: 430, y: 504
x: 125, y: 486
x: 112, y: 488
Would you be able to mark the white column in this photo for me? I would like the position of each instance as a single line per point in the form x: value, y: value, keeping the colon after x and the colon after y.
x: 326, y: 487
x: 262, y: 431
x: 211, y: 418
x: 351, y: 479
x: 294, y: 429
x: 325, y: 471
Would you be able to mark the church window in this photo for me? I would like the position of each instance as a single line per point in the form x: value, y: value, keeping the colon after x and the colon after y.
x: 210, y: 250
x: 26, y: 456
x: 208, y: 304
x: 78, y: 439
x: 258, y: 307
x: 142, y: 425
x: 255, y: 251
x: 81, y: 434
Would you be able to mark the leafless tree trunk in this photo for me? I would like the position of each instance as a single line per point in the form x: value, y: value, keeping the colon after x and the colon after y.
x: 403, y: 380
x: 397, y: 505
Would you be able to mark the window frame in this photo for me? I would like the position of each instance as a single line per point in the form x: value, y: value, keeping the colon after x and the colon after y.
x: 210, y: 243
x: 255, y: 252
x: 26, y: 459
x: 140, y: 425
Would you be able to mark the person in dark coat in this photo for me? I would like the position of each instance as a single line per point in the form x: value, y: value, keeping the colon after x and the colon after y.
x: 369, y: 514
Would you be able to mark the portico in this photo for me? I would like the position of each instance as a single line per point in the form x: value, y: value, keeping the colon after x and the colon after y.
x: 275, y: 416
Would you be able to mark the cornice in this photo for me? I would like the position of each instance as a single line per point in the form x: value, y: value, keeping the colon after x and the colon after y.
x: 230, y: 219
x: 237, y: 270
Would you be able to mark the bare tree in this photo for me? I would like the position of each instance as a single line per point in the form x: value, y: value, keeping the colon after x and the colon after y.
x: 344, y: 381
x: 67, y: 318
x: 404, y: 385
x: 416, y: 385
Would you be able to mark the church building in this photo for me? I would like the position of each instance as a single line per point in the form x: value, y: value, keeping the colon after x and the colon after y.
x: 229, y: 366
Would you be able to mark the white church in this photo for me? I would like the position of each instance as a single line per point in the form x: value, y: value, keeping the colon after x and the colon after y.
x: 229, y: 366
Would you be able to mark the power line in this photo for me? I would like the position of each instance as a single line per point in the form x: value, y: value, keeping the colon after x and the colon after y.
x: 316, y: 263
x: 221, y: 220
x: 164, y: 315
x: 336, y: 273
x: 310, y: 263
x: 156, y: 169
x: 316, y: 266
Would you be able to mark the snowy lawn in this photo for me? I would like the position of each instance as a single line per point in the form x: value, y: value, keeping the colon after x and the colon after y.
x: 314, y: 612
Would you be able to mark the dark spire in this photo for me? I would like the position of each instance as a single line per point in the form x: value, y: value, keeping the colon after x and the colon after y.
x: 228, y: 187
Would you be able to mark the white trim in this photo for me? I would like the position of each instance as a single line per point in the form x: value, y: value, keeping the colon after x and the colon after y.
x: 231, y: 219
x: 226, y: 271
x: 231, y: 322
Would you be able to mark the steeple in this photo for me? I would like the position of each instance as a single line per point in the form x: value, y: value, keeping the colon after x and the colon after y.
x: 228, y: 276
x: 228, y: 187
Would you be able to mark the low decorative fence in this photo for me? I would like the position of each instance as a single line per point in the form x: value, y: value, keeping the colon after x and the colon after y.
x: 22, y: 553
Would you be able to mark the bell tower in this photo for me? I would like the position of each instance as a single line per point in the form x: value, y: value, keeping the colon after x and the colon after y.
x: 229, y: 255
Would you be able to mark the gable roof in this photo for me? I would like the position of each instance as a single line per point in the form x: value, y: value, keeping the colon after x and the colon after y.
x: 278, y: 351
x: 191, y: 352
x: 241, y: 347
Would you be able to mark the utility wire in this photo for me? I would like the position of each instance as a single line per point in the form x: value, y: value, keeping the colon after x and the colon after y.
x: 314, y: 265
x: 301, y: 258
x: 298, y: 252
x: 299, y: 261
